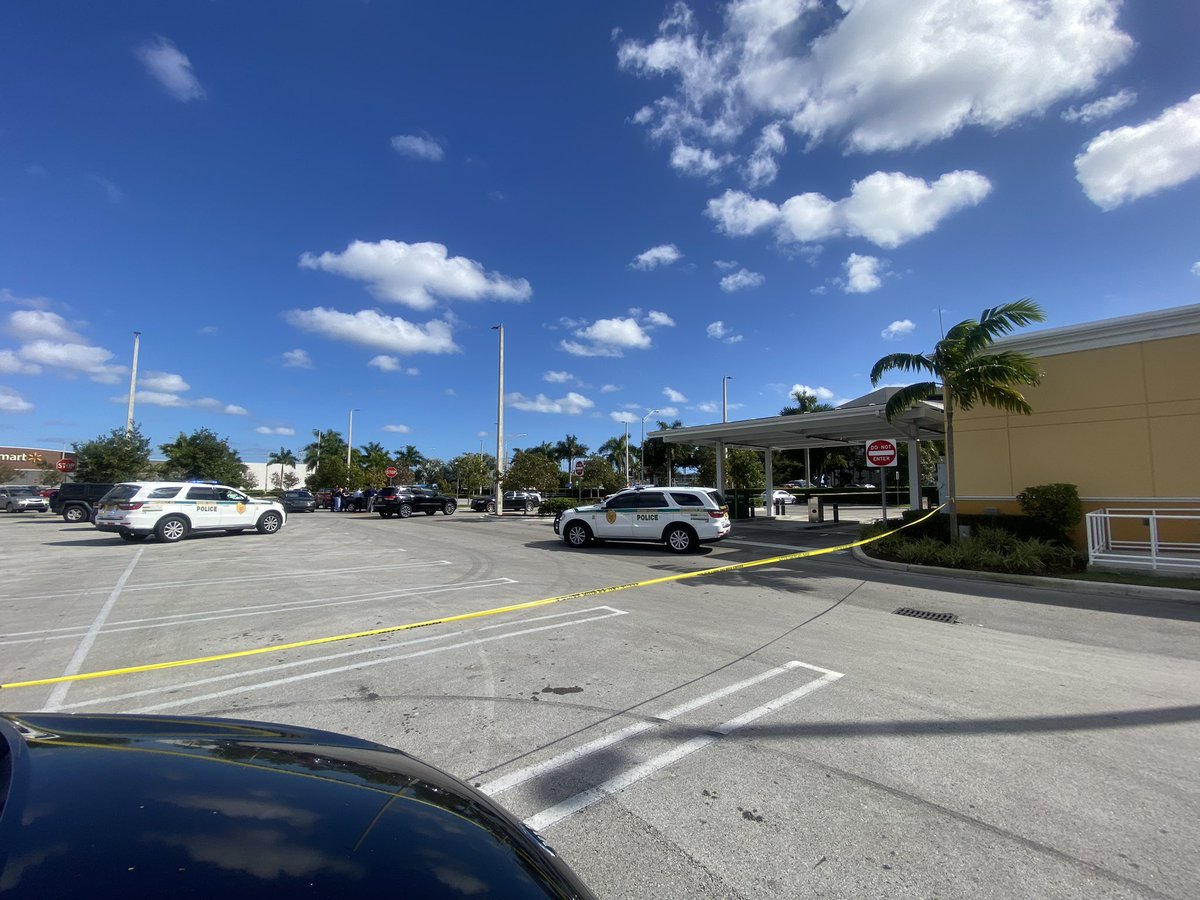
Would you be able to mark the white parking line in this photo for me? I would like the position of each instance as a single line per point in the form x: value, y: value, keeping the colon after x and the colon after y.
x: 60, y: 690
x: 609, y: 612
x: 554, y: 814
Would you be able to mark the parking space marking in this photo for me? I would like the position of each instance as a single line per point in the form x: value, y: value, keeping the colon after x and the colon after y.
x: 174, y: 619
x: 363, y: 664
x: 555, y: 814
x: 59, y: 694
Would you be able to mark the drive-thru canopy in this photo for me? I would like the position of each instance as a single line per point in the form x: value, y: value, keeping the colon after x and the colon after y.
x: 851, y: 424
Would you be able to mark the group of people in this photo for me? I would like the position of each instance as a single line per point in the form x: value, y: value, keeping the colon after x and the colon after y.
x: 358, y: 500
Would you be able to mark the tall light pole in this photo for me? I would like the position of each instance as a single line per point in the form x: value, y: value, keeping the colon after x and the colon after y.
x: 642, y: 448
x: 350, y: 440
x: 137, y: 335
x: 725, y: 398
x: 626, y: 453
x: 499, y: 423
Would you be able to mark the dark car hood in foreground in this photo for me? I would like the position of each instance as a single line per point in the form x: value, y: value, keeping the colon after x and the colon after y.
x: 162, y: 806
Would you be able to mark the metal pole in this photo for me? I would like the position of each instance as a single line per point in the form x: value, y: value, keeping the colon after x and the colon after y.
x: 499, y: 497
x: 725, y: 398
x: 349, y: 443
x: 626, y: 454
x: 137, y: 335
x: 642, y: 448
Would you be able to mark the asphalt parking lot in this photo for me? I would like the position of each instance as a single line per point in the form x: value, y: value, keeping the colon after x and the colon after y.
x: 771, y: 731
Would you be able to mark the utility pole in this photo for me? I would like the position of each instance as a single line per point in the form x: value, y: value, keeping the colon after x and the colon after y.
x: 137, y: 335
x: 626, y: 454
x: 350, y: 441
x: 499, y: 497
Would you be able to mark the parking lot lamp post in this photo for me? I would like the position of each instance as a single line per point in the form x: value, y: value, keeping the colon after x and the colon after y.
x: 627, y: 454
x: 642, y: 448
x: 499, y: 423
x: 137, y: 335
x: 350, y: 440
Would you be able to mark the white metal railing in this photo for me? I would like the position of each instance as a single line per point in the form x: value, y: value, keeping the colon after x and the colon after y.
x: 1145, y: 538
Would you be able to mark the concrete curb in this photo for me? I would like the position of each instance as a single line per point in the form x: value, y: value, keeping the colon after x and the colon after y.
x: 1131, y: 591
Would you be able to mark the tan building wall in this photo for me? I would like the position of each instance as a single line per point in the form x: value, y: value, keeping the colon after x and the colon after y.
x: 1117, y: 414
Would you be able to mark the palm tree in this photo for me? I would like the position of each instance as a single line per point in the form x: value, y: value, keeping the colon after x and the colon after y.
x: 966, y: 373
x: 569, y: 449
x: 282, y: 457
x: 805, y: 403
x: 410, y: 459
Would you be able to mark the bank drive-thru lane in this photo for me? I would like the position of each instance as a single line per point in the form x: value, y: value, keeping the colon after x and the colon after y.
x: 969, y: 760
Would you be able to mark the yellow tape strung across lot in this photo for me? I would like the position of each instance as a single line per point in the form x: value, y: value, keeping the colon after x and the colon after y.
x: 495, y: 611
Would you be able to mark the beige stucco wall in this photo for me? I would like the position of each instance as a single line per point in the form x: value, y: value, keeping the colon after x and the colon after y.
x: 1122, y: 423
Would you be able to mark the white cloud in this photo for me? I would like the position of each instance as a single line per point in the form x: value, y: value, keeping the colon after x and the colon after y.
x: 762, y: 167
x: 232, y: 409
x: 558, y: 377
x: 698, y: 161
x: 33, y: 324
x: 862, y: 274
x: 609, y: 388
x: 154, y: 398
x: 397, y: 429
x: 622, y: 417
x: 874, y: 75
x: 572, y: 404
x: 612, y: 337
x: 211, y: 403
x: 417, y: 147
x: 673, y: 395
x: 371, y: 328
x: 163, y: 381
x: 11, y: 401
x: 662, y: 255
x: 416, y: 274
x: 11, y: 363
x: 94, y: 361
x: 297, y: 359
x: 1135, y: 161
x: 886, y: 208
x: 171, y: 68
x: 669, y: 412
x: 1196, y: 268
x: 718, y: 331
x: 725, y: 264
x: 708, y: 407
x: 823, y: 394
x: 281, y: 430
x: 111, y: 191
x: 741, y: 280
x: 1102, y: 108
x: 385, y: 363
x: 897, y: 330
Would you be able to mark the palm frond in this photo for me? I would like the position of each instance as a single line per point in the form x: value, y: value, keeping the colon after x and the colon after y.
x: 903, y: 362
x: 910, y: 395
x: 1000, y: 320
x: 989, y: 394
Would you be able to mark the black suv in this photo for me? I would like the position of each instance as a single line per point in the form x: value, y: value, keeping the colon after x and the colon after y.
x: 404, y: 501
x: 76, y: 501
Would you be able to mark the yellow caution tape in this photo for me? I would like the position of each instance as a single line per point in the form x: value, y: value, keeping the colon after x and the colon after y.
x: 461, y: 617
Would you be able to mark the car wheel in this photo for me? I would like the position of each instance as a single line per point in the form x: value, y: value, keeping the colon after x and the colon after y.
x: 384, y: 515
x: 405, y: 510
x: 490, y: 507
x: 134, y: 538
x: 269, y: 523
x: 577, y: 534
x: 171, y: 529
x: 681, y: 539
x: 449, y: 507
x: 74, y: 514
x: 10, y: 508
x: 528, y: 507
x: 557, y: 521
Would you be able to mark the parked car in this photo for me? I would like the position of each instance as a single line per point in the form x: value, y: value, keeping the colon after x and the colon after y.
x: 76, y: 500
x: 682, y: 518
x: 170, y: 510
x: 514, y: 501
x: 777, y: 496
x: 298, y: 501
x: 150, y: 806
x: 404, y: 500
x: 324, y: 499
x: 19, y: 498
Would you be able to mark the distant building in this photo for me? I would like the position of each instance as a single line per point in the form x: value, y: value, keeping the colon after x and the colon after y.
x: 30, y: 462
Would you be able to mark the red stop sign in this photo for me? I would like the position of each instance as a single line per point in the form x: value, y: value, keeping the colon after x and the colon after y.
x: 579, y: 467
x: 65, y: 465
x: 391, y: 471
x: 881, y: 453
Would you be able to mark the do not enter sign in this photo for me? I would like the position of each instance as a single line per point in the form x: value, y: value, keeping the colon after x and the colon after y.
x: 65, y: 465
x: 391, y: 471
x: 881, y: 453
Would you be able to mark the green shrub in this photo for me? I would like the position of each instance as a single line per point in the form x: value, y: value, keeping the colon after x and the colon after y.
x: 1055, y: 504
x: 555, y: 505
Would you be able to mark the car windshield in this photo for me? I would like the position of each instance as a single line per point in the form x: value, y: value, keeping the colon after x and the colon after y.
x: 120, y: 492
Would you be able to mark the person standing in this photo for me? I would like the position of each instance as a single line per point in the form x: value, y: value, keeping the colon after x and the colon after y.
x: 335, y: 500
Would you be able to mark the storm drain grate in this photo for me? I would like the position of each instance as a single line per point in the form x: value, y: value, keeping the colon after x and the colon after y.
x: 926, y: 614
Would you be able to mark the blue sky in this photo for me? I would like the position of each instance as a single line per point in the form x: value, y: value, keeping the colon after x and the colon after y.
x: 309, y: 207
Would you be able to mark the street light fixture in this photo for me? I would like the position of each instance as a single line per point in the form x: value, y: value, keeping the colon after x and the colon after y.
x: 642, y: 447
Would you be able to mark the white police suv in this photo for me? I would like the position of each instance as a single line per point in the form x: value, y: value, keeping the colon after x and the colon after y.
x: 170, y: 510
x: 681, y: 517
